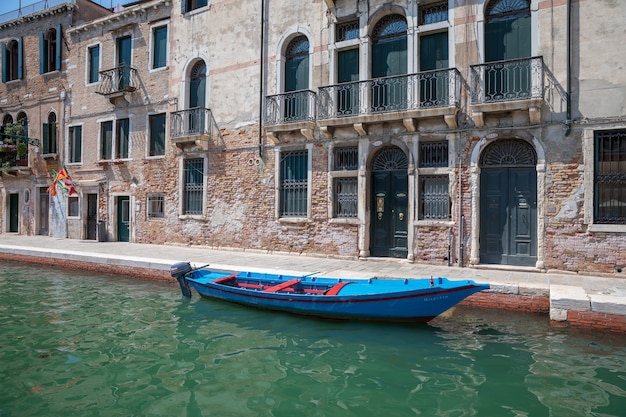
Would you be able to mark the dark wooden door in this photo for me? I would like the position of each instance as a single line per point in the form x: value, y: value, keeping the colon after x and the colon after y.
x: 92, y: 216
x: 14, y: 210
x: 123, y: 219
x: 389, y: 205
x: 508, y: 216
x: 44, y: 211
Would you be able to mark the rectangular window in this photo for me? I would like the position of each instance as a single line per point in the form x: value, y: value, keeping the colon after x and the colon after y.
x: 433, y: 13
x: 345, y: 197
x: 346, y: 30
x: 294, y: 171
x: 73, y: 207
x: 434, y: 201
x: 155, y: 205
x: 157, y: 134
x: 193, y: 186
x: 189, y: 5
x: 75, y: 144
x: 610, y: 177
x: 433, y: 154
x: 49, y: 133
x: 106, y: 140
x: 93, y: 55
x: 346, y: 158
x: 159, y: 47
x: 122, y: 139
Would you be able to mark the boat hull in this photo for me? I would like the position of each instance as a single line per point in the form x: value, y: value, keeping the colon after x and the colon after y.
x: 411, y: 300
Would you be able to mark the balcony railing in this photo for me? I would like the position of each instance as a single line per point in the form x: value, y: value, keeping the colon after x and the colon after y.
x: 424, y: 90
x: 291, y: 107
x: 195, y: 125
x: 116, y: 80
x: 516, y: 79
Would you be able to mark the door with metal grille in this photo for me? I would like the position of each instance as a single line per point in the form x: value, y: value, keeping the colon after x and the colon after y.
x: 508, y: 204
x: 389, y: 204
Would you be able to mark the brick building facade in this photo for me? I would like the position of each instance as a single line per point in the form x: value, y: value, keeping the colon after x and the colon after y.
x: 478, y: 134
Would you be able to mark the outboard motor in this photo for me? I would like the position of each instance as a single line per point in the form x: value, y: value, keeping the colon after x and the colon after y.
x: 179, y: 271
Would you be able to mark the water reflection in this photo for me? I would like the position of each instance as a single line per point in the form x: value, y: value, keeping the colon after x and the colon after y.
x: 77, y: 345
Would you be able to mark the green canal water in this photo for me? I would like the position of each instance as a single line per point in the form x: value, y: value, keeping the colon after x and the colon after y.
x: 76, y: 344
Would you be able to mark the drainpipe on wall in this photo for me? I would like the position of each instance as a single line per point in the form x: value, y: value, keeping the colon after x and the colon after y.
x: 568, y: 122
x: 261, y: 75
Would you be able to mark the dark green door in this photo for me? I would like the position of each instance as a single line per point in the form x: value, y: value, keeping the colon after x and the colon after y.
x: 123, y: 61
x: 14, y: 203
x: 508, y: 216
x: 507, y: 38
x: 296, y: 103
x: 123, y: 219
x: 389, y: 204
x: 389, y: 60
x: 433, y: 56
x: 348, y: 90
x: 92, y: 216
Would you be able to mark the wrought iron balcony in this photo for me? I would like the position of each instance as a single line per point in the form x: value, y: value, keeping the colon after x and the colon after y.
x: 194, y: 127
x: 14, y: 151
x: 516, y: 84
x: 404, y: 97
x: 424, y: 90
x: 292, y: 111
x: 117, y: 82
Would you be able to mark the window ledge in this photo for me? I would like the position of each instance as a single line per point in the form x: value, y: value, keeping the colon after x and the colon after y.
x: 607, y: 228
x: 191, y: 217
x: 351, y: 220
x: 294, y: 220
x: 434, y: 223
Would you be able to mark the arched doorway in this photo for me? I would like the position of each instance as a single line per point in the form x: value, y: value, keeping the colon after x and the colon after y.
x: 508, y: 203
x: 389, y: 203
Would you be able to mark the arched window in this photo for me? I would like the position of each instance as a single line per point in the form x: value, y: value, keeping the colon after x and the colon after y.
x: 49, y: 133
x: 197, y: 85
x: 12, y: 60
x: 296, y: 105
x: 389, y: 60
x: 22, y: 120
x: 297, y: 64
x: 389, y: 43
x: 507, y: 30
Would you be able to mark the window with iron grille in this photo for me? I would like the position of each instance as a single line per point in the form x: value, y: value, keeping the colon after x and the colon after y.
x: 345, y: 197
x: 433, y: 13
x: 433, y: 154
x: 610, y: 177
x: 155, y: 206
x: 294, y: 174
x: 346, y: 158
x: 193, y: 186
x: 346, y: 30
x: 434, y: 202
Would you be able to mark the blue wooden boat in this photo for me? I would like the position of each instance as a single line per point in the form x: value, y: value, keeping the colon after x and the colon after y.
x: 410, y: 300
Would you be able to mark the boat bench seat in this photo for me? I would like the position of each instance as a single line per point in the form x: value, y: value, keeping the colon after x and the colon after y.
x: 334, y: 290
x: 225, y: 279
x: 253, y: 286
x: 282, y: 285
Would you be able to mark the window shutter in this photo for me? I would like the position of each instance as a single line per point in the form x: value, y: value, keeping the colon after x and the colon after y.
x: 42, y: 53
x: 4, y: 62
x: 45, y: 133
x: 183, y: 6
x: 20, y: 59
x: 58, y: 49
